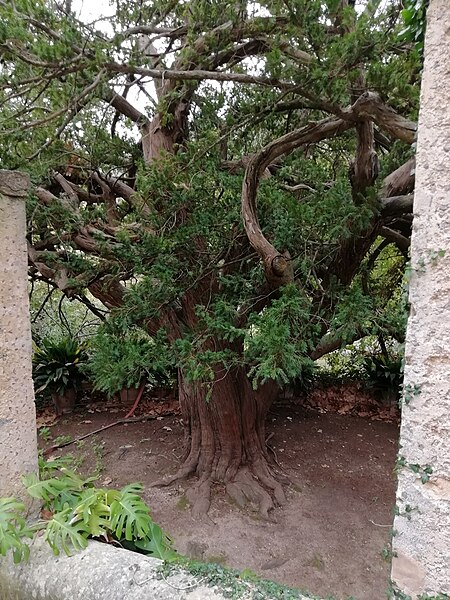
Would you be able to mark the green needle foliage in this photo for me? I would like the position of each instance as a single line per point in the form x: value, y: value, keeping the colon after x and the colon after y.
x: 178, y: 235
x: 131, y: 355
x: 147, y: 143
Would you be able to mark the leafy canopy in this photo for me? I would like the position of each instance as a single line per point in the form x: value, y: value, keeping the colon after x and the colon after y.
x: 136, y: 131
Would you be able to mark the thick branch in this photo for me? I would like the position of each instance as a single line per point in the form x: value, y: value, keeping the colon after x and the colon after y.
x: 398, y: 239
x: 108, y: 290
x: 277, y: 265
x: 280, y: 271
x: 122, y: 105
x: 334, y: 341
x: 397, y: 205
x: 370, y: 106
x: 200, y: 75
x: 364, y: 169
x: 401, y: 181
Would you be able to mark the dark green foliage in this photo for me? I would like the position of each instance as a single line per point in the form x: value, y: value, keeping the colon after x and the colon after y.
x: 278, y: 339
x: 121, y: 358
x: 56, y: 365
x: 177, y: 248
x: 414, y: 15
x: 365, y: 361
x: 384, y: 372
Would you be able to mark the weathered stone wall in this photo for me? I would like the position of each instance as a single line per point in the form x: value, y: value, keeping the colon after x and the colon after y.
x: 101, y: 572
x: 18, y: 445
x: 422, y: 541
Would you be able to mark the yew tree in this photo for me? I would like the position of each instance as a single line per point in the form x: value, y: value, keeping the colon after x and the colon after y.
x: 233, y: 177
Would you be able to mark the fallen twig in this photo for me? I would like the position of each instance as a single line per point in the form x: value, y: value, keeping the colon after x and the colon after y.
x: 378, y: 524
x: 139, y: 396
x: 104, y: 428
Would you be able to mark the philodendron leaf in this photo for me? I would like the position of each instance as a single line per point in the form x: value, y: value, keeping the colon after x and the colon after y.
x: 130, y: 516
x: 93, y: 511
x: 13, y: 529
x: 157, y: 544
x: 62, y: 532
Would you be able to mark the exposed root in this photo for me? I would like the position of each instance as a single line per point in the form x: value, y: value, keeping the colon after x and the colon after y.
x: 262, y: 472
x: 254, y: 485
x: 199, y: 497
x: 183, y: 473
x: 245, y: 488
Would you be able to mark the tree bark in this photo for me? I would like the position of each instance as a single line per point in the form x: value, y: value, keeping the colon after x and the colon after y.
x: 225, y: 442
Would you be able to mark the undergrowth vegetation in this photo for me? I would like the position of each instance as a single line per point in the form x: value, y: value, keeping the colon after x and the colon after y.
x: 378, y: 366
x: 74, y: 510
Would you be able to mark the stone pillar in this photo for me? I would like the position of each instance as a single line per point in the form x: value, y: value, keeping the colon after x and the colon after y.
x: 18, y: 444
x: 421, y: 542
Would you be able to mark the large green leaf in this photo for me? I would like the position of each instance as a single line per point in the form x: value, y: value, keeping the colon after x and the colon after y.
x: 63, y: 532
x: 57, y: 492
x: 45, y: 490
x: 13, y: 528
x: 157, y: 544
x: 130, y: 516
x: 93, y: 511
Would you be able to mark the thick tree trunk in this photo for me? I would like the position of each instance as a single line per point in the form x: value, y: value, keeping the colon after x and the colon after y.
x: 226, y: 443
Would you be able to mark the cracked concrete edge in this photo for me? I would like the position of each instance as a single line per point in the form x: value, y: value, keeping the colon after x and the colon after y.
x: 101, y: 571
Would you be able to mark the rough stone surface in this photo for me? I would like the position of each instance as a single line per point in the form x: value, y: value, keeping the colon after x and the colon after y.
x: 422, y: 543
x: 18, y: 447
x: 100, y: 572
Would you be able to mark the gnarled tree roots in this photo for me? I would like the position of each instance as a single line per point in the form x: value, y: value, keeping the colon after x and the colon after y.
x: 255, y: 484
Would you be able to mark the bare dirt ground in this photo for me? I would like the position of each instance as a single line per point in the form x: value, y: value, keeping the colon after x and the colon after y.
x: 329, y: 537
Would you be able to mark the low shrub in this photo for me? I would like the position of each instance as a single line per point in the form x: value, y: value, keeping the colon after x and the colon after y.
x: 122, y: 359
x: 56, y: 365
x: 76, y: 511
